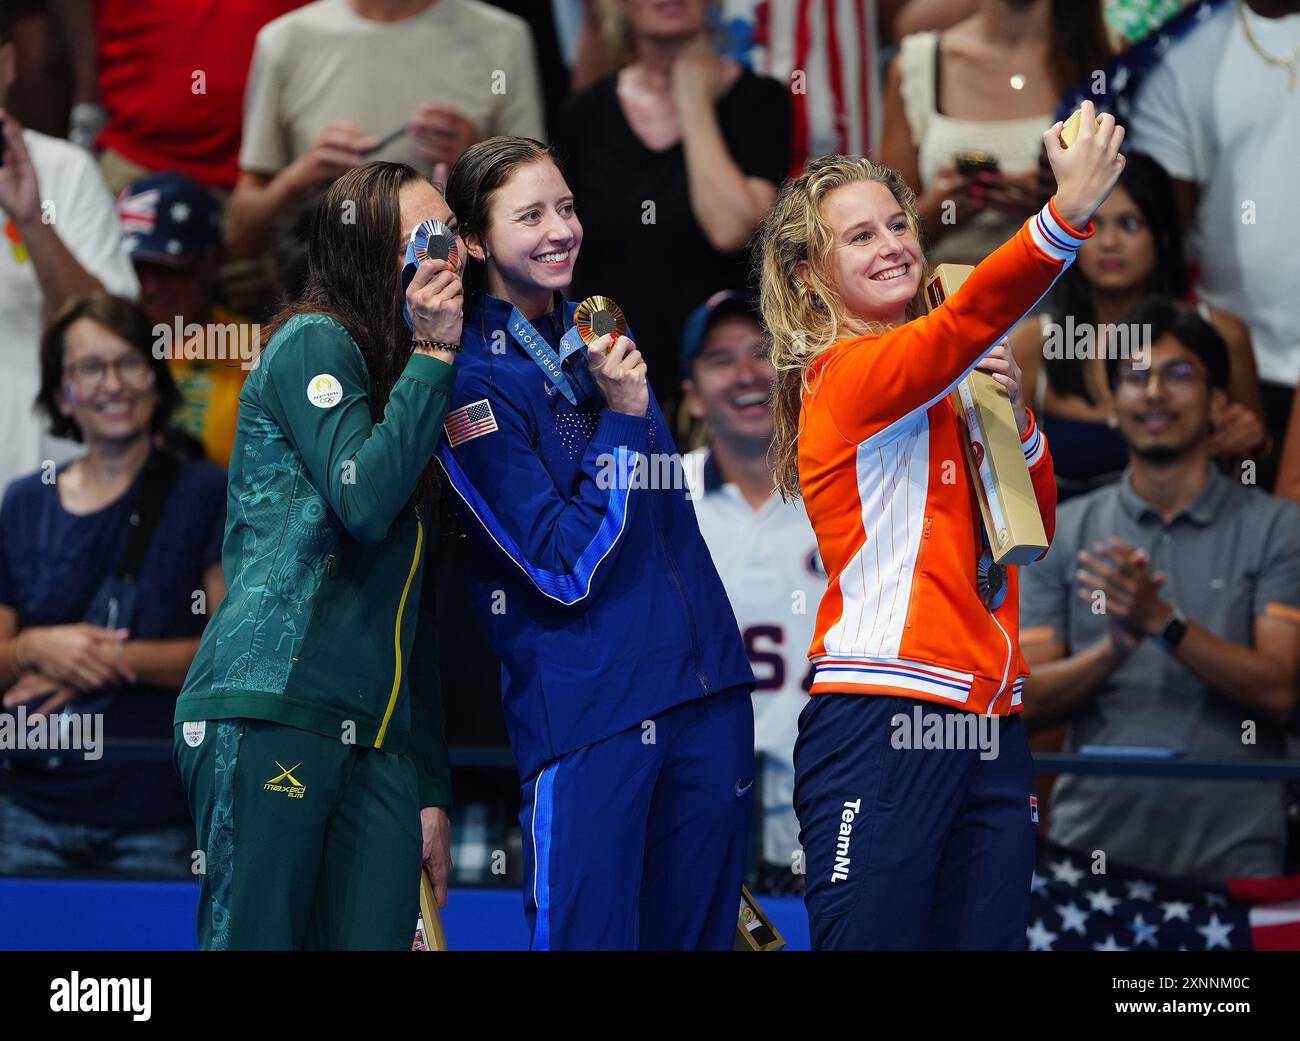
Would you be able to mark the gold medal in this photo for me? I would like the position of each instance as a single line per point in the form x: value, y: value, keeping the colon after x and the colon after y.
x: 599, y: 316
x: 1070, y: 132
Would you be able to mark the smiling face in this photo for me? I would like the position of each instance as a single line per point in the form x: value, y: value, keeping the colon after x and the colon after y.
x: 875, y: 262
x: 533, y: 235
x: 1165, y: 410
x: 419, y: 201
x: 108, y: 387
x: 731, y: 381
x: 1122, y: 252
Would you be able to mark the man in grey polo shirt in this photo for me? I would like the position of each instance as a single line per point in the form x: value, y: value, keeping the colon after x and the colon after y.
x: 1167, y: 613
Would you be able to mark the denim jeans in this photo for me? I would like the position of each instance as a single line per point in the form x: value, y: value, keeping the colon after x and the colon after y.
x: 31, y: 845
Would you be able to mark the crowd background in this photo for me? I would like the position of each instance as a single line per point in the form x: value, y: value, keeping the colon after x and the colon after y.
x: 162, y: 160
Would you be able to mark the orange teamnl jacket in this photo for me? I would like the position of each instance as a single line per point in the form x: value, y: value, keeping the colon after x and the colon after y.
x: 885, y: 483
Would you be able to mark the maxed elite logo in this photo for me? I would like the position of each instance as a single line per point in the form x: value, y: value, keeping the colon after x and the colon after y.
x: 295, y: 789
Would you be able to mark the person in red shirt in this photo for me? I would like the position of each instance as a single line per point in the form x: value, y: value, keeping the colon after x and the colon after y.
x: 171, y: 77
x: 914, y: 802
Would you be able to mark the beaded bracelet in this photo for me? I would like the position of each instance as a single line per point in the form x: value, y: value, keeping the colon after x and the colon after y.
x: 437, y: 345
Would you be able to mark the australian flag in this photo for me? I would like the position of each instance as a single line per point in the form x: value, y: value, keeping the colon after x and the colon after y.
x: 1073, y: 909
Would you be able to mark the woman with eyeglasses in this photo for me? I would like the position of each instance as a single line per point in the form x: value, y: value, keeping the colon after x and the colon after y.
x: 100, y: 617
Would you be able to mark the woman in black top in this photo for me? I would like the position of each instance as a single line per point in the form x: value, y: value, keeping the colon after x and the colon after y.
x: 676, y: 158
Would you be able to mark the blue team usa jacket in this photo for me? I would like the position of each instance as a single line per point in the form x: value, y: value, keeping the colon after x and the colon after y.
x: 597, y: 592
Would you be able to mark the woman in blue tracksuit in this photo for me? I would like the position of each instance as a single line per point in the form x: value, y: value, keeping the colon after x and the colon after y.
x: 625, y: 681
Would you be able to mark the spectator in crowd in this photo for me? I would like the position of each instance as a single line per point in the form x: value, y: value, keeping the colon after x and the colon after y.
x: 181, y: 114
x: 173, y: 236
x: 965, y: 111
x: 62, y: 240
x: 763, y: 547
x: 162, y: 83
x: 1219, y: 113
x: 107, y: 576
x: 674, y: 159
x: 1167, y: 613
x: 1136, y: 252
x: 828, y: 63
x: 342, y: 81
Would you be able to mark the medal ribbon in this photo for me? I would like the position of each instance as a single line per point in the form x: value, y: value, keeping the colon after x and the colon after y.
x: 575, y: 381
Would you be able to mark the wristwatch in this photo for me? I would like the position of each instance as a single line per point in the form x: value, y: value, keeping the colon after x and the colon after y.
x: 1175, y: 629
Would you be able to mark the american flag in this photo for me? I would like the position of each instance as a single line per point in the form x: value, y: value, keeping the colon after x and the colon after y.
x: 1072, y: 909
x: 469, y: 421
x: 832, y: 44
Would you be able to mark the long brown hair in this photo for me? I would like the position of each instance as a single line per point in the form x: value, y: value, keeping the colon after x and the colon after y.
x: 806, y: 315
x: 353, y: 277
x: 477, y: 174
x: 1079, y: 42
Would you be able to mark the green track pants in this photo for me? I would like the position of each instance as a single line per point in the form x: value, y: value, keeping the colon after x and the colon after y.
x: 307, y: 843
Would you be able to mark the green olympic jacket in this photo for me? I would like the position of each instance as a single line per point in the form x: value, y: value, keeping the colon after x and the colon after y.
x: 322, y: 627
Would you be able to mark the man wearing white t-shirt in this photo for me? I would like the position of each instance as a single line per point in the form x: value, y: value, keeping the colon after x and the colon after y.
x: 62, y: 240
x: 1220, y: 114
x: 764, y: 548
x: 341, y: 82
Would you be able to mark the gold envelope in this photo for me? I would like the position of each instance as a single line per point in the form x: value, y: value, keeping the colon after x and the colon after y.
x: 993, y: 450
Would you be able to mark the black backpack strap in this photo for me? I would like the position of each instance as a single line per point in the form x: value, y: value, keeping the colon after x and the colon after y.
x: 156, y: 485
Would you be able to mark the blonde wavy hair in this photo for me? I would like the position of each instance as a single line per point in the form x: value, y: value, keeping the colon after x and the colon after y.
x: 806, y: 315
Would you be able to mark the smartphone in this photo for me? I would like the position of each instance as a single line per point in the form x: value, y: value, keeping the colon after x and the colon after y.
x: 972, y: 161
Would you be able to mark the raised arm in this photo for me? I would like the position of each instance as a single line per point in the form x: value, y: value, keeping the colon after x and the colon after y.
x: 874, y: 382
x: 318, y: 390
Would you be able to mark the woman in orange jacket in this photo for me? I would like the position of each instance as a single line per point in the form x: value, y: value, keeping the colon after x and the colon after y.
x: 915, y: 805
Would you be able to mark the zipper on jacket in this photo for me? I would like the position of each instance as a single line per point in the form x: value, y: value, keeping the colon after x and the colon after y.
x: 1006, y: 669
x: 397, y: 631
x: 916, y: 573
x: 686, y: 603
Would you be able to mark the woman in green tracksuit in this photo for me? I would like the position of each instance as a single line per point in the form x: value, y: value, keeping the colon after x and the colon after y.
x: 308, y: 732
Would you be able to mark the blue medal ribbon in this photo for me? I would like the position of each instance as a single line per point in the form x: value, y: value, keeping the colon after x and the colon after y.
x: 573, y: 381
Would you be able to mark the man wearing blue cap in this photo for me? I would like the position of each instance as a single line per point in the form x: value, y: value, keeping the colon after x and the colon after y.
x: 763, y: 548
x: 173, y: 236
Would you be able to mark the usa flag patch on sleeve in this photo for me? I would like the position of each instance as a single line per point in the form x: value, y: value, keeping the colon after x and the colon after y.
x: 469, y: 421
